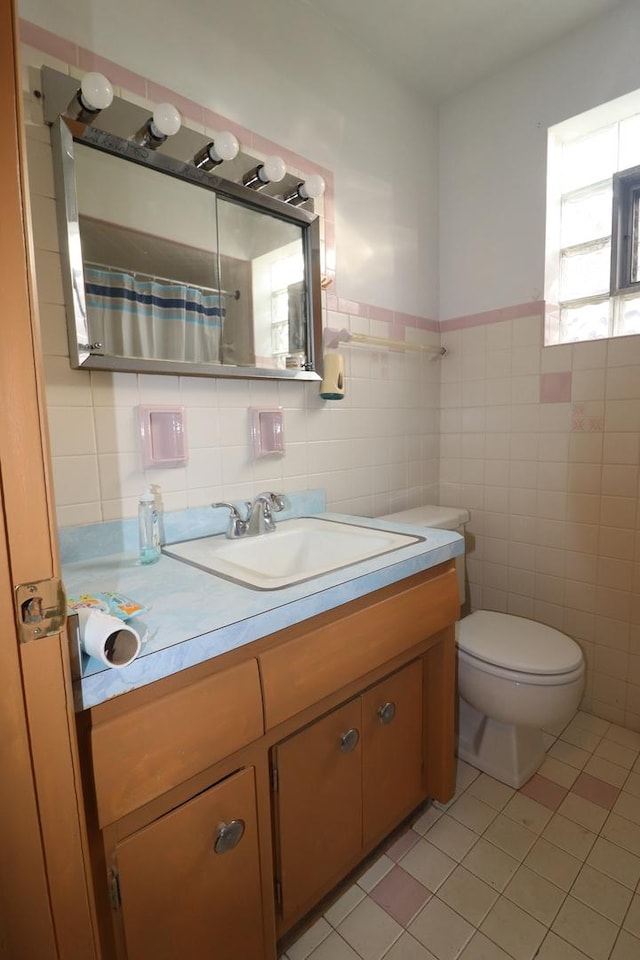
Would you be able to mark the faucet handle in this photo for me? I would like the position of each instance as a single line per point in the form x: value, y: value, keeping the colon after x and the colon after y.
x: 237, y: 525
x: 272, y: 501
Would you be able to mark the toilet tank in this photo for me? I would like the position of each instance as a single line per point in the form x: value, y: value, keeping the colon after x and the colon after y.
x: 444, y: 518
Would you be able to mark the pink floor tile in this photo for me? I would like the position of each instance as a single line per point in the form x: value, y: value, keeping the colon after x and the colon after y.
x: 545, y: 791
x: 597, y: 791
x: 401, y: 895
x: 402, y: 845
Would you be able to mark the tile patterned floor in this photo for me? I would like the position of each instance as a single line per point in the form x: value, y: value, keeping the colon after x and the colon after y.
x: 550, y: 871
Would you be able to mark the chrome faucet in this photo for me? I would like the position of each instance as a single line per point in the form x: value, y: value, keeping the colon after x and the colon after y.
x: 237, y: 525
x: 259, y: 518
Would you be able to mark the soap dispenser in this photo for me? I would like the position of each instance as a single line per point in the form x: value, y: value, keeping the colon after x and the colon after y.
x: 148, y: 528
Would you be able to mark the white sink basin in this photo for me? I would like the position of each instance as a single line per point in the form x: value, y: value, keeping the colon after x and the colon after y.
x: 297, y: 550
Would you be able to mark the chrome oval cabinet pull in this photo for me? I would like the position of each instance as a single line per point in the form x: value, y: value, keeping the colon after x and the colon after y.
x: 387, y: 712
x: 228, y: 836
x: 349, y: 740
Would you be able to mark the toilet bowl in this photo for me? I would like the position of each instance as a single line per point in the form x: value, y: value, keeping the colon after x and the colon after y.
x: 516, y: 677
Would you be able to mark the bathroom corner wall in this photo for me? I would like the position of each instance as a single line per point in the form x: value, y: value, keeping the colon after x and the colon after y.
x: 541, y: 443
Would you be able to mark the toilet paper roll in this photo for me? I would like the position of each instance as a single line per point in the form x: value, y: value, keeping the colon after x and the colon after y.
x: 332, y: 386
x: 107, y: 638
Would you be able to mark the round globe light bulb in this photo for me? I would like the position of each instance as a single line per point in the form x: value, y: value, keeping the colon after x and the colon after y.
x: 166, y: 119
x: 313, y: 187
x: 272, y: 170
x: 225, y: 146
x: 96, y: 91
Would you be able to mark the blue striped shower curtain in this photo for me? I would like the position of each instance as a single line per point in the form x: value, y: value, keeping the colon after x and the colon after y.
x: 135, y: 317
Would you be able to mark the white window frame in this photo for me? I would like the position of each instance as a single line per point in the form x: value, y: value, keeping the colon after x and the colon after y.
x: 624, y: 233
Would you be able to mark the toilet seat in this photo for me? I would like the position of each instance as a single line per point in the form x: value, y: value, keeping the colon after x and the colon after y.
x: 517, y: 647
x: 517, y: 676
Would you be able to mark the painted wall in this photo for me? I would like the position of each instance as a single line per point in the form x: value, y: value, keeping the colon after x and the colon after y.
x: 543, y: 444
x: 375, y: 451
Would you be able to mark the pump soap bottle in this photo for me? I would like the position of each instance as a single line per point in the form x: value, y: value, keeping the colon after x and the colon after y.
x: 148, y: 528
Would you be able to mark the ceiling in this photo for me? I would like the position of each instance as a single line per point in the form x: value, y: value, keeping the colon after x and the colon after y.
x: 440, y: 47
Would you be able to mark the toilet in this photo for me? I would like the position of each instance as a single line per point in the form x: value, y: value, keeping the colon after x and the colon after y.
x: 516, y: 677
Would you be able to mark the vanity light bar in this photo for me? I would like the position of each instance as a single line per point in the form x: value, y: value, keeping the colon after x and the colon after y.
x: 271, y: 170
x: 224, y: 147
x: 94, y: 94
x: 309, y: 189
x: 165, y: 122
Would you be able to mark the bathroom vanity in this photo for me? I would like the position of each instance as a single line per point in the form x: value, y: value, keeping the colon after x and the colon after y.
x: 229, y: 800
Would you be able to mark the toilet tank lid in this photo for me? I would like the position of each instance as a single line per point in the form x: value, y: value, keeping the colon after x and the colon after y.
x: 446, y: 518
x: 517, y: 643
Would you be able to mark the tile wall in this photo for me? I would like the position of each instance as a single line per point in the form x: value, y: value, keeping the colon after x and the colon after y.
x: 543, y: 446
x: 374, y: 452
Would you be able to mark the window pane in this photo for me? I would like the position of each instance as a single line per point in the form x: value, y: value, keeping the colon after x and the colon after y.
x: 629, y: 319
x: 585, y: 272
x: 629, y: 150
x: 590, y: 159
x: 586, y: 216
x: 588, y: 322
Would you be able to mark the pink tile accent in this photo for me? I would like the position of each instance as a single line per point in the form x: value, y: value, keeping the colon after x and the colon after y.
x: 119, y: 76
x: 545, y: 791
x: 401, y: 895
x: 332, y: 302
x: 494, y: 316
x: 555, y: 387
x: 352, y: 306
x: 380, y: 313
x: 35, y: 36
x: 402, y: 845
x: 597, y: 791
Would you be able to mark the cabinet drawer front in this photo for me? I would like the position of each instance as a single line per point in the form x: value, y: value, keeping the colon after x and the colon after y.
x: 301, y: 671
x: 183, y: 898
x: 139, y: 755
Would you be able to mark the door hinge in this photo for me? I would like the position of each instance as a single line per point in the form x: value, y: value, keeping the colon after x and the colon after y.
x: 114, y: 889
x: 274, y: 779
x: 41, y: 609
x: 277, y: 886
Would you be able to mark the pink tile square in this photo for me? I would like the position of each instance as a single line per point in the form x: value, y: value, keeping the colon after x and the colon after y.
x: 545, y: 791
x: 401, y: 895
x: 402, y: 845
x: 555, y: 387
x: 597, y: 791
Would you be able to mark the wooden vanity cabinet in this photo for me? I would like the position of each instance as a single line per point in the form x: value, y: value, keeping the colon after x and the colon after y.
x: 190, y: 882
x: 321, y: 739
x: 342, y: 784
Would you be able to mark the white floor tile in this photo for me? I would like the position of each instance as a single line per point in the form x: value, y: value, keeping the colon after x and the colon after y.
x: 556, y: 865
x: 584, y: 812
x: 535, y: 894
x: 627, y: 947
x: 468, y: 895
x: 408, y: 948
x: 452, y: 837
x: 527, y: 812
x: 334, y: 948
x: 569, y: 836
x: 309, y: 940
x: 491, y: 791
x: 369, y: 930
x: 442, y: 930
x: 481, y: 948
x: 491, y: 864
x: 428, y: 864
x: 615, y: 862
x: 585, y: 929
x: 514, y: 930
x: 510, y: 836
x: 602, y: 894
x: 553, y: 948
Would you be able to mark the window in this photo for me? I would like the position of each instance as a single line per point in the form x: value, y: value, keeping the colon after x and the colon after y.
x: 593, y: 232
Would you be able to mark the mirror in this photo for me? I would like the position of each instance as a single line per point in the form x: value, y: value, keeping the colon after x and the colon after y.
x: 171, y: 269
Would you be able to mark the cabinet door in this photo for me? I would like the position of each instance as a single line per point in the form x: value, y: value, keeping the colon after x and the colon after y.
x: 319, y: 808
x: 392, y: 724
x: 187, y: 894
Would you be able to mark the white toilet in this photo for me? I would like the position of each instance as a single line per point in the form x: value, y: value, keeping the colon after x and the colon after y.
x: 516, y: 677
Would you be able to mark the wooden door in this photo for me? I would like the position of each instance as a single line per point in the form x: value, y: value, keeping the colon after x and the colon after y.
x: 182, y: 897
x: 318, y: 809
x: 46, y: 909
x: 392, y: 724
